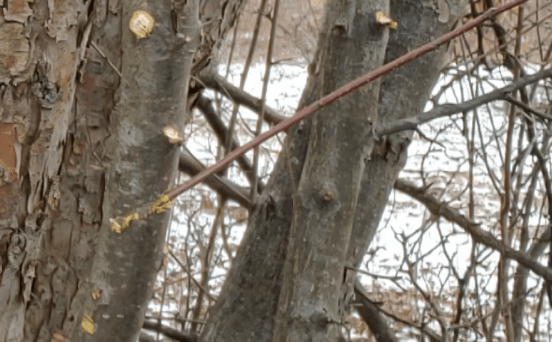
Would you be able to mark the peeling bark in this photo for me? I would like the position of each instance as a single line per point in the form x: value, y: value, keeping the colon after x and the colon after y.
x: 37, y: 68
x: 72, y: 133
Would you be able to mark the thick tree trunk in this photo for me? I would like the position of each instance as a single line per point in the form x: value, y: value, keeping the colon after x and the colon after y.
x: 246, y: 306
x: 310, y: 306
x: 82, y: 143
x: 404, y: 93
x: 142, y: 165
x: 248, y: 302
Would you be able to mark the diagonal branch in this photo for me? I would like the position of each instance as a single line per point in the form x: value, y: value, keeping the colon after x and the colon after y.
x: 222, y: 185
x: 205, y: 105
x: 439, y: 208
x: 370, y: 314
x: 451, y: 109
x: 385, y: 334
x: 216, y: 82
x: 219, y: 84
x: 339, y: 93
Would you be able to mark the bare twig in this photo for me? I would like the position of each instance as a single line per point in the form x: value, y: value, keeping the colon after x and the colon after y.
x: 370, y: 314
x: 266, y: 78
x: 222, y: 185
x: 246, y: 67
x: 205, y: 105
x: 373, y: 275
x: 214, y: 81
x: 181, y: 264
x: 479, y: 235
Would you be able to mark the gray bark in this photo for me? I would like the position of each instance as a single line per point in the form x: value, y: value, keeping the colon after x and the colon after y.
x: 371, y: 315
x: 142, y: 165
x: 310, y: 306
x: 521, y: 276
x: 404, y: 93
x: 248, y: 301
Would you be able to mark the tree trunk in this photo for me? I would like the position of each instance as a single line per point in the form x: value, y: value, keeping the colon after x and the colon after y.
x: 248, y: 302
x: 310, y: 307
x: 84, y: 102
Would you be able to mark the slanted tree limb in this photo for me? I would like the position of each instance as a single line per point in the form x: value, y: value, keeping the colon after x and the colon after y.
x: 169, y: 332
x: 451, y: 109
x: 205, y: 105
x: 216, y: 82
x: 370, y: 314
x: 190, y: 166
x: 442, y: 209
x: 340, y: 93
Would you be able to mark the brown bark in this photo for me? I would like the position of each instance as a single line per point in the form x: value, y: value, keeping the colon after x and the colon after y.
x: 55, y: 184
x: 81, y: 143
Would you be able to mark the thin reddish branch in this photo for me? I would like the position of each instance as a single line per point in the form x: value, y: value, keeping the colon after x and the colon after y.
x: 339, y: 93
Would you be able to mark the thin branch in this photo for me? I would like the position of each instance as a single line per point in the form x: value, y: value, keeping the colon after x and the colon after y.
x: 108, y: 60
x: 373, y: 275
x: 527, y: 108
x: 424, y: 329
x: 266, y: 78
x: 451, y: 109
x: 206, y: 263
x: 240, y: 97
x: 370, y: 314
x: 188, y: 165
x: 339, y: 93
x: 204, y: 104
x: 181, y: 264
x: 439, y: 208
x: 246, y: 67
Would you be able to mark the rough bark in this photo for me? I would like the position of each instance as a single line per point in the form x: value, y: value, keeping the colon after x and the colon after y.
x: 249, y: 298
x: 310, y: 307
x: 66, y: 116
x: 246, y: 306
x: 404, y: 93
x: 55, y: 184
x: 142, y: 165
